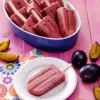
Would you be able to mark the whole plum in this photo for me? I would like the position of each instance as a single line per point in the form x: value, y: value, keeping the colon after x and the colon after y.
x: 90, y: 72
x: 79, y: 58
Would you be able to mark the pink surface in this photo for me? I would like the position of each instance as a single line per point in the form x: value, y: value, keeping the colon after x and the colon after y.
x: 89, y: 11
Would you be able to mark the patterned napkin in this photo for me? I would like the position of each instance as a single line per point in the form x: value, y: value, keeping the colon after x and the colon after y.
x: 7, y: 73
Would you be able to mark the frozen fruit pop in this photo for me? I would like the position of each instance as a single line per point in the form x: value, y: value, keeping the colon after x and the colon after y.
x: 21, y: 20
x: 16, y: 19
x: 48, y: 28
x: 29, y: 24
x: 32, y: 5
x: 66, y: 20
x: 46, y: 79
x: 9, y: 9
x: 31, y: 21
x: 50, y: 1
x: 39, y: 2
x: 53, y: 1
x: 51, y: 10
x: 17, y: 3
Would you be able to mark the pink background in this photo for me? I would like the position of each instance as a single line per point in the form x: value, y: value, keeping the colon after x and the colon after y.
x: 89, y: 11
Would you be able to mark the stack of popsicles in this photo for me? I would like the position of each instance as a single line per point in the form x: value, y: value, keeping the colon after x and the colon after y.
x: 48, y: 18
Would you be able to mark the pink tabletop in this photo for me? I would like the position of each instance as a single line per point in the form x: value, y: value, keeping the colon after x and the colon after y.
x: 89, y: 11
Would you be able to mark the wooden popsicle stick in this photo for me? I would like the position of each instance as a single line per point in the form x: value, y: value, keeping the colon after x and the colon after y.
x: 64, y: 3
x: 16, y: 11
x: 36, y: 15
x: 63, y: 69
x: 47, y: 2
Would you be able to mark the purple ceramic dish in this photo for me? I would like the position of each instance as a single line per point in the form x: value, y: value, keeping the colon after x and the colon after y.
x: 44, y: 43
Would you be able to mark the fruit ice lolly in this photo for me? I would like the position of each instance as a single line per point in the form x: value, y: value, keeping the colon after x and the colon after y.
x: 45, y: 80
x: 48, y: 28
x: 18, y: 18
x: 39, y: 2
x: 17, y: 3
x: 29, y: 24
x: 53, y: 1
x: 67, y: 21
x: 51, y: 10
x: 44, y: 4
x: 21, y: 20
x: 32, y: 5
x: 23, y: 12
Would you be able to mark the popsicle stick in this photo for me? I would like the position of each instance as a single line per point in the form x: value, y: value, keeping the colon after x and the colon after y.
x: 64, y: 68
x: 47, y: 2
x: 64, y: 3
x: 36, y: 15
x: 16, y: 11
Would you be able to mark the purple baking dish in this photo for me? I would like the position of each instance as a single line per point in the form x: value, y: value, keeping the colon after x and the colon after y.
x: 44, y: 43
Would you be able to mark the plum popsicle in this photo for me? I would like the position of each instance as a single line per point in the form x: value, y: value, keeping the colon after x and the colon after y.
x: 47, y: 27
x: 16, y: 18
x: 51, y: 9
x: 31, y: 22
x: 50, y: 1
x: 46, y: 79
x: 42, y: 4
x: 66, y: 20
x: 53, y: 1
x: 17, y: 3
x: 21, y: 20
x: 39, y: 2
x: 32, y: 5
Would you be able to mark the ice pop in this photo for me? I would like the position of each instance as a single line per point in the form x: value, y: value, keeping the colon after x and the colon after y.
x: 17, y: 3
x: 50, y: 1
x: 39, y: 2
x: 46, y: 79
x: 21, y: 20
x: 66, y: 20
x: 29, y: 24
x: 51, y: 10
x: 53, y: 1
x: 48, y: 28
x: 16, y: 19
x: 32, y: 5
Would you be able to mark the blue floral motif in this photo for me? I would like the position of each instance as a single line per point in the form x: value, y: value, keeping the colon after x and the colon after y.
x: 10, y: 69
x: 37, y: 52
x: 16, y: 99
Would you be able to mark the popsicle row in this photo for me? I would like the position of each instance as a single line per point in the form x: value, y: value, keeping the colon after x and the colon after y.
x: 48, y: 18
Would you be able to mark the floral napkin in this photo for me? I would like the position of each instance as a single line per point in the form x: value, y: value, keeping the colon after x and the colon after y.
x: 8, y: 71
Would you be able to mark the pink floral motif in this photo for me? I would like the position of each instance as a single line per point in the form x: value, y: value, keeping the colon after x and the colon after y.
x: 24, y: 57
x: 7, y: 80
